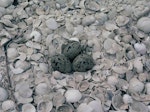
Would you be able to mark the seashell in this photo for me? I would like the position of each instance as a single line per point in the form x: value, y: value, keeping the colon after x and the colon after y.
x: 73, y: 95
x: 74, y: 39
x: 8, y: 105
x: 25, y: 92
x: 65, y: 108
x: 101, y: 18
x: 147, y: 64
x: 142, y: 77
x: 5, y: 3
x: 24, y: 65
x: 122, y: 84
x: 120, y: 69
x: 135, y: 86
x: 122, y: 20
x: 44, y: 106
x: 96, y: 105
x: 3, y: 94
x: 51, y: 24
x: 147, y: 87
x: 138, y: 65
x: 83, y: 86
x: 88, y: 20
x: 3, y: 41
x: 83, y: 107
x: 33, y: 45
x: 140, y: 48
x: 36, y: 56
x: 78, y: 30
x: 43, y: 67
x: 127, y: 99
x: 41, y: 89
x: 36, y: 36
x: 58, y: 99
x: 117, y: 101
x: 12, y: 53
x: 110, y: 26
x: 92, y: 5
x: 28, y: 108
x: 144, y: 24
x: 138, y: 107
x: 112, y: 80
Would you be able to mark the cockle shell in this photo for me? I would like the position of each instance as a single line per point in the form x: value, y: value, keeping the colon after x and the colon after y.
x: 83, y: 86
x: 140, y: 48
x: 144, y: 24
x: 41, y: 89
x: 3, y: 94
x: 12, y: 53
x: 122, y: 20
x: 117, y: 101
x: 112, y: 80
x: 28, y: 108
x: 44, y: 106
x: 138, y: 65
x: 8, y: 105
x: 135, y: 85
x: 127, y: 99
x: 5, y: 3
x: 64, y: 108
x: 73, y: 95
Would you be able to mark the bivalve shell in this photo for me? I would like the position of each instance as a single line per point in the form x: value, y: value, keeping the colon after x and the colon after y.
x: 8, y: 105
x: 135, y: 85
x: 73, y: 95
x: 28, y: 108
x: 3, y: 94
x: 147, y: 86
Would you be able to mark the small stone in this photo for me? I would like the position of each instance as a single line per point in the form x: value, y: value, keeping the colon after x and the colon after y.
x: 83, y: 63
x: 61, y: 63
x: 51, y: 24
x: 71, y: 50
x: 144, y: 24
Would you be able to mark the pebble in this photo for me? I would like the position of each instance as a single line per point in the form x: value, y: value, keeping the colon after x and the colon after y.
x: 51, y: 24
x: 144, y: 24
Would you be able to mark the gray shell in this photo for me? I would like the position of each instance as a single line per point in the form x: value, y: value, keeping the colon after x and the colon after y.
x: 83, y: 63
x: 71, y: 50
x: 61, y: 63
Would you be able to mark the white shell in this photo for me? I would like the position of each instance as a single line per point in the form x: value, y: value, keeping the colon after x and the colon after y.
x: 144, y: 24
x: 44, y: 106
x: 147, y: 86
x: 88, y: 20
x: 140, y: 48
x: 36, y: 36
x: 43, y: 67
x: 8, y: 105
x: 12, y: 53
x: 3, y: 94
x: 138, y: 65
x: 83, y: 107
x: 28, y: 108
x: 135, y: 85
x: 122, y: 20
x: 73, y: 95
x: 41, y: 89
x: 112, y: 80
x: 96, y: 105
x: 5, y: 3
x: 51, y: 24
x: 127, y: 99
x: 24, y: 65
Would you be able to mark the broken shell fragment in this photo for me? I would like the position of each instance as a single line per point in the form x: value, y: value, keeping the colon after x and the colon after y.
x: 73, y: 95
x: 83, y: 86
x: 147, y: 86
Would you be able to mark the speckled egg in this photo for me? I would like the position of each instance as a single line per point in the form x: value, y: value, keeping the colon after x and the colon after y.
x: 71, y: 50
x: 61, y: 63
x: 83, y: 63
